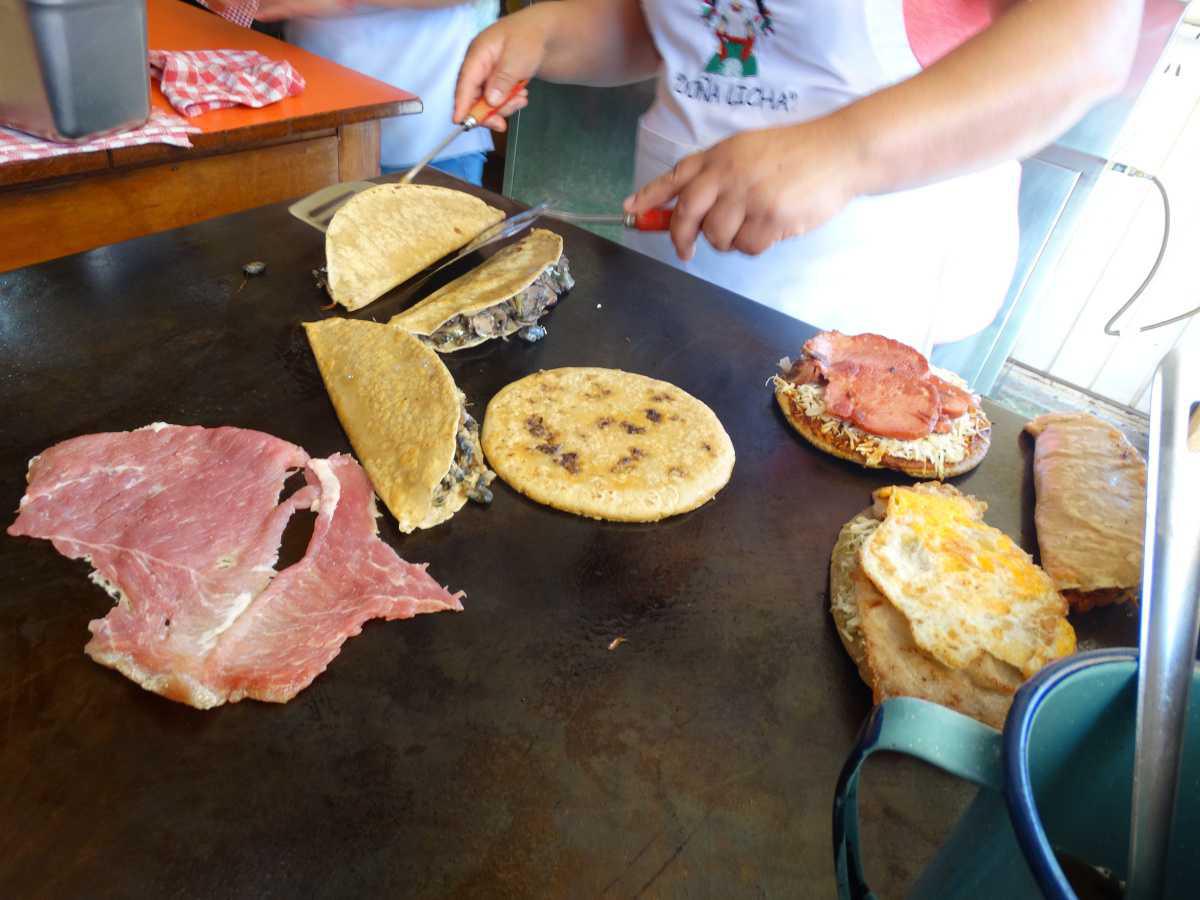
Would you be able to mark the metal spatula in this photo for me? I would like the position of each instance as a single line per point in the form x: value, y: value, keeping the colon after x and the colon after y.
x: 318, y: 208
x: 1170, y: 620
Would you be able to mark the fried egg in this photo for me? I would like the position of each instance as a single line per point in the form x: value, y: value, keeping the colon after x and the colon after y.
x: 965, y: 587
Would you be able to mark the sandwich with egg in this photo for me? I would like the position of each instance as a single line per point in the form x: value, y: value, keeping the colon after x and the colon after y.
x: 877, y: 402
x: 932, y: 602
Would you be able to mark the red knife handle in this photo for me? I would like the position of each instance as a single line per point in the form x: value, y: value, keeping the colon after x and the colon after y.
x: 482, y: 109
x: 651, y: 220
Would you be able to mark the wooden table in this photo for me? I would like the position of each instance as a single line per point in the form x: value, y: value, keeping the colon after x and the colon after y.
x: 241, y: 159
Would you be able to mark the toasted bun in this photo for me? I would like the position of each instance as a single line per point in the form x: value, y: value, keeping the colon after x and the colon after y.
x: 844, y: 573
x: 1091, y: 506
x: 839, y: 445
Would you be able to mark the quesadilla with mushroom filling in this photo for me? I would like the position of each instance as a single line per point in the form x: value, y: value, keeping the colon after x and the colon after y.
x: 507, y: 294
x: 388, y: 233
x: 1091, y: 506
x: 405, y: 418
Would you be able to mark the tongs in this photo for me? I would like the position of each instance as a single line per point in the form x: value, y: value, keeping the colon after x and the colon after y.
x: 1170, y: 620
x: 652, y: 220
x: 505, y: 228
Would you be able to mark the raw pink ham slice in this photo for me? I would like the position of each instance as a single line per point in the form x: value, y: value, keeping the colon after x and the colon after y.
x: 183, y: 524
x: 348, y: 575
x: 182, y: 527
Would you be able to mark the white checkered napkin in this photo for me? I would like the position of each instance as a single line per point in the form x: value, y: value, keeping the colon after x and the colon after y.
x: 162, y: 128
x: 196, y: 81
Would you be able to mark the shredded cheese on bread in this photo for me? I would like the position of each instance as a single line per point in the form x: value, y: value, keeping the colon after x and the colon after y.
x: 937, y: 450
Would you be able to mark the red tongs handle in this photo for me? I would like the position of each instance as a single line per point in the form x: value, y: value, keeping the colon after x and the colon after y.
x: 482, y: 109
x: 651, y: 220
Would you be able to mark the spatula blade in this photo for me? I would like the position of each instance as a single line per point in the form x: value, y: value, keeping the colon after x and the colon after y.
x: 318, y: 208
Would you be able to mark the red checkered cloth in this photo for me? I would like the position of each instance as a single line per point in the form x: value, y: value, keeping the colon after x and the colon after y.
x: 196, y: 81
x: 162, y: 128
x: 240, y: 12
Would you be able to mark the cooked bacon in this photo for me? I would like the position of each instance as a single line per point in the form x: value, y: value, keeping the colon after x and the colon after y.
x: 882, y: 386
x: 804, y: 371
x: 955, y: 401
x: 832, y: 349
x: 891, y: 407
x: 183, y: 526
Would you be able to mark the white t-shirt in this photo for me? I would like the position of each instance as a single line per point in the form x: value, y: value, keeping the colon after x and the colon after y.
x: 419, y: 50
x: 926, y: 265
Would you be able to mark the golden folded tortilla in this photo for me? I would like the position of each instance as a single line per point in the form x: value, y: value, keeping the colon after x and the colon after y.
x: 607, y: 444
x: 1091, y: 508
x: 405, y: 418
x: 507, y: 293
x: 390, y: 232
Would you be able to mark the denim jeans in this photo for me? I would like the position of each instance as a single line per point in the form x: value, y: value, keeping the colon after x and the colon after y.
x: 468, y: 167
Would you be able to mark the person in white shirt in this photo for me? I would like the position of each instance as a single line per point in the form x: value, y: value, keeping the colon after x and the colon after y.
x: 816, y: 162
x: 416, y: 45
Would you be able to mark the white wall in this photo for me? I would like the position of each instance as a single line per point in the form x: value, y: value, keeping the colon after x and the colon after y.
x: 1115, y: 242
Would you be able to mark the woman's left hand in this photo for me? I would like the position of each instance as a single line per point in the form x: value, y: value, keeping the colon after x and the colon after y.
x: 757, y: 188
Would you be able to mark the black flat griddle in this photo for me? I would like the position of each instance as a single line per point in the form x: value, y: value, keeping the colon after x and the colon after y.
x: 503, y: 752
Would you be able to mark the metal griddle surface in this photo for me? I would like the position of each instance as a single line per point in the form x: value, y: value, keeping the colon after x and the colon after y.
x: 505, y: 751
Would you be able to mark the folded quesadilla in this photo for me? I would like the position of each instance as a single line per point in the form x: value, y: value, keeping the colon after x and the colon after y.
x: 385, y: 235
x: 505, y: 295
x: 405, y: 418
x: 1091, y: 508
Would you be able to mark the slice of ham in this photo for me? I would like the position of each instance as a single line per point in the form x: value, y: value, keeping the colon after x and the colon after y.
x: 834, y: 350
x: 294, y: 628
x: 183, y: 525
x: 955, y: 401
x: 903, y: 408
x: 882, y: 386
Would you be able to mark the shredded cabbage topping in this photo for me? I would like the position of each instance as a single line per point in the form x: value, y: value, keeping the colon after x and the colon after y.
x: 937, y: 450
x: 856, y: 532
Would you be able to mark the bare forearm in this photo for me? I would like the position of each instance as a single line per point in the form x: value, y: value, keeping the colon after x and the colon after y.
x: 1002, y: 95
x: 598, y: 42
x: 419, y: 4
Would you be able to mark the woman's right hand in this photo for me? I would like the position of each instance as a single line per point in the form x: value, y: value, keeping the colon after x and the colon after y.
x: 509, y: 51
